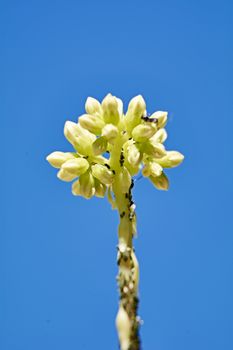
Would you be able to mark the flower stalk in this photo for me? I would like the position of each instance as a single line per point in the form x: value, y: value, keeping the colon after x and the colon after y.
x: 134, y: 142
x: 128, y: 275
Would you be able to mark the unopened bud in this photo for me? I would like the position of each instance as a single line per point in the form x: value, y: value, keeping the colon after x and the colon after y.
x: 124, y: 179
x: 99, y: 146
x: 159, y: 137
x: 133, y: 155
x: 102, y: 173
x: 123, y: 328
x: 110, y: 132
x: 92, y: 123
x: 76, y: 188
x: 56, y: 159
x: 171, y: 160
x: 160, y: 182
x: 152, y: 168
x: 77, y: 166
x: 93, y: 106
x: 87, y: 185
x: 155, y: 150
x: 120, y: 106
x: 65, y: 176
x: 161, y: 117
x: 72, y: 132
x: 79, y: 137
x: 100, y: 189
x: 143, y: 132
x: 136, y: 110
x: 110, y: 110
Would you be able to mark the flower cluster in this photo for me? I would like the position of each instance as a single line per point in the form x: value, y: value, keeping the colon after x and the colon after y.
x: 111, y: 146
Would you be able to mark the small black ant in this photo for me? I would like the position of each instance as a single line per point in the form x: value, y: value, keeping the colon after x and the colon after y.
x: 148, y: 119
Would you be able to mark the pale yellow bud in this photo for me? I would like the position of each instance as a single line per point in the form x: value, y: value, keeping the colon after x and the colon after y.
x: 123, y: 328
x: 171, y: 160
x: 65, y: 176
x: 161, y: 117
x: 87, y: 185
x: 93, y: 106
x: 136, y: 110
x: 160, y: 182
x: 155, y: 169
x: 110, y: 110
x: 159, y: 137
x: 155, y: 150
x: 124, y: 179
x: 133, y: 155
x: 100, y: 189
x: 120, y: 106
x: 110, y: 132
x: 72, y: 132
x: 76, y: 188
x: 102, y: 173
x: 137, y: 106
x: 77, y: 166
x: 152, y: 168
x: 99, y: 146
x: 79, y: 137
x: 56, y: 159
x: 143, y: 132
x: 133, y: 170
x: 92, y: 123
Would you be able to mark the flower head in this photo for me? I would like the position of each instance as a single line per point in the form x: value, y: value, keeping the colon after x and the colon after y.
x: 134, y: 141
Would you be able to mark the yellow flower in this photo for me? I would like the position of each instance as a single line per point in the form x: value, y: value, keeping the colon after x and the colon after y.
x: 134, y: 141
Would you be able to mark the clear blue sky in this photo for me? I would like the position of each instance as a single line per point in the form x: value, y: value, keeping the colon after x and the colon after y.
x: 58, y: 252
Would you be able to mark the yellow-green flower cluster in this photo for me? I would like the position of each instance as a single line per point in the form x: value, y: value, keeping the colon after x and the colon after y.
x: 133, y: 140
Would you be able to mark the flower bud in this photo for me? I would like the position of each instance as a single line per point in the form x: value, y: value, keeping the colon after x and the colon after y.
x: 87, y: 185
x: 100, y: 189
x: 102, y: 173
x: 171, y: 160
x: 143, y: 132
x: 110, y: 132
x: 124, y: 179
x: 133, y: 155
x: 99, y: 146
x: 136, y: 110
x: 76, y: 188
x: 120, y: 106
x: 152, y: 168
x: 161, y: 117
x: 65, y: 176
x: 123, y: 328
x: 133, y: 170
x: 159, y: 137
x: 77, y: 166
x: 110, y: 110
x: 80, y: 138
x: 92, y: 123
x: 155, y: 150
x: 56, y: 159
x: 160, y: 182
x: 93, y: 106
x: 72, y: 131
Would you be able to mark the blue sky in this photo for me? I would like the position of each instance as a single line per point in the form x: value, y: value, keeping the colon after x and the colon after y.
x: 58, y: 252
